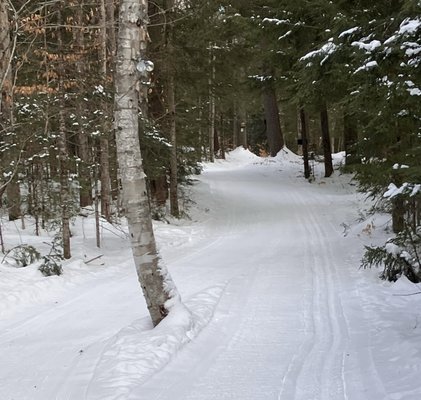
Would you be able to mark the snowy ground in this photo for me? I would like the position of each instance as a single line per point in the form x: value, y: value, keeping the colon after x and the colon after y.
x: 269, y: 269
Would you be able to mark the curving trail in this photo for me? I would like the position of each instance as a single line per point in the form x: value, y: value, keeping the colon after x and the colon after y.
x: 280, y: 330
x: 289, y: 325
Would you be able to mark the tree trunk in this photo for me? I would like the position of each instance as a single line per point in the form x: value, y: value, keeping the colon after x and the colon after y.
x: 85, y: 191
x: 327, y: 151
x: 131, y: 48
x: 174, y: 209
x: 109, y: 7
x: 304, y: 138
x: 243, y: 127
x: 398, y: 205
x: 222, y: 137
x: 350, y: 138
x: 63, y: 156
x: 235, y: 127
x: 273, y: 126
x: 211, y: 106
x: 11, y: 187
x: 103, y: 141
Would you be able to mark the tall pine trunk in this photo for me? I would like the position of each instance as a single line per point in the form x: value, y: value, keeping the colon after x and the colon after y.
x: 350, y: 138
x: 273, y: 126
x: 304, y: 138
x: 174, y: 208
x: 131, y: 49
x: 211, y: 105
x: 327, y: 149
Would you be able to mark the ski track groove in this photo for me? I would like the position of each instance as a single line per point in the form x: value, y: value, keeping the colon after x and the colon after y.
x: 374, y: 374
x: 316, y: 370
x: 319, y: 362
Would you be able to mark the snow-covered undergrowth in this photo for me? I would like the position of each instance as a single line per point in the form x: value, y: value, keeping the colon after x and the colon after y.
x: 276, y: 305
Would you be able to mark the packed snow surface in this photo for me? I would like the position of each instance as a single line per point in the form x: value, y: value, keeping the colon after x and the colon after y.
x: 276, y: 306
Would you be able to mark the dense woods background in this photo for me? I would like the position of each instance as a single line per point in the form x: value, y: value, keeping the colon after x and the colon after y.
x: 317, y: 76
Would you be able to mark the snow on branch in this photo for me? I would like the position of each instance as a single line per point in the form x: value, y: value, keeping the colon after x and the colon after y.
x: 325, y: 51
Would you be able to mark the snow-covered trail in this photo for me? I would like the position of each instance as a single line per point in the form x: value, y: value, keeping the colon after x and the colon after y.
x: 296, y: 319
x: 281, y: 330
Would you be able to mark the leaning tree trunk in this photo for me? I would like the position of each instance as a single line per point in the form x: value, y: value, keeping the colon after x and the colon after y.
x: 129, y: 81
x: 327, y: 149
x: 273, y: 126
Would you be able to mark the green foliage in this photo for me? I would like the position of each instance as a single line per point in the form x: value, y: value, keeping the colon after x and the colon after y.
x: 50, y: 266
x: 24, y: 255
x: 399, y: 256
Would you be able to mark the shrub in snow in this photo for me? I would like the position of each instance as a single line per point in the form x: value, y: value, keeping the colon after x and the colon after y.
x: 51, y: 266
x: 399, y: 256
x: 24, y: 255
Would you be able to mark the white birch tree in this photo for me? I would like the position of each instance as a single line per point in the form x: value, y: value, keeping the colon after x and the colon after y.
x: 158, y: 289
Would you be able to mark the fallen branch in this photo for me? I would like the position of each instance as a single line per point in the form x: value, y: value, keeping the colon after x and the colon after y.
x: 93, y: 259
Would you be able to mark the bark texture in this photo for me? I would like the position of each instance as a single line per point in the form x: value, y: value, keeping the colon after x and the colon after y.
x: 174, y: 208
x: 103, y: 142
x: 273, y: 126
x: 63, y: 156
x: 132, y: 40
x: 350, y: 138
x: 84, y: 153
x: 327, y: 149
x: 6, y: 112
x: 304, y: 138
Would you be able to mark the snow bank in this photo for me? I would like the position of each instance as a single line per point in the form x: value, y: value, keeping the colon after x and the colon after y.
x: 138, y: 351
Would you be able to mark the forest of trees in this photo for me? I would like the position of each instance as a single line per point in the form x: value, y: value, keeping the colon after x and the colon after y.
x: 316, y: 76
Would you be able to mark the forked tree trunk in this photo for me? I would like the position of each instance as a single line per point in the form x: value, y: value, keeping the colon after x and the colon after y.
x: 131, y: 48
x: 327, y: 150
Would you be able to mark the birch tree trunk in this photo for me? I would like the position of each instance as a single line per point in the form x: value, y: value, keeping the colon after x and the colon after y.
x: 156, y: 284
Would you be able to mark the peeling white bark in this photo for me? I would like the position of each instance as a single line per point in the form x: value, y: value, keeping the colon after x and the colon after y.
x: 158, y: 288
